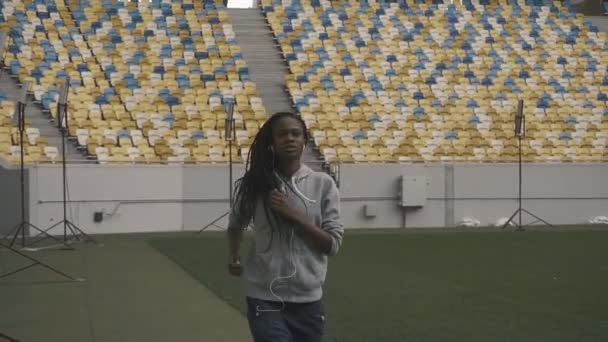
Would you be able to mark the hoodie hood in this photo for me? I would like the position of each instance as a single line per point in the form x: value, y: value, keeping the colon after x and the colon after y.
x: 303, y: 172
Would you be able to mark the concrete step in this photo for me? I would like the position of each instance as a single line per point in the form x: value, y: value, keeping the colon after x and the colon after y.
x: 266, y: 65
x: 600, y: 21
x: 245, y: 13
x: 254, y: 30
x: 263, y: 75
x: 252, y: 51
x: 275, y: 96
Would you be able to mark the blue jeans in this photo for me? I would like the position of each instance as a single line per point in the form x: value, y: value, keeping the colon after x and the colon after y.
x: 297, y: 322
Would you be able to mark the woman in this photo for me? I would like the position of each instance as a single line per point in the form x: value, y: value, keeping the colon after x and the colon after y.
x: 296, y: 224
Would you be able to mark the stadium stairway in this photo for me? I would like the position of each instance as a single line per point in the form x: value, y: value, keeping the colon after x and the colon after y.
x: 266, y: 66
x: 39, y: 119
x: 600, y: 21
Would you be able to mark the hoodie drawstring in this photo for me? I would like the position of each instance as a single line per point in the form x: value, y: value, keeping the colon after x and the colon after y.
x: 295, y: 188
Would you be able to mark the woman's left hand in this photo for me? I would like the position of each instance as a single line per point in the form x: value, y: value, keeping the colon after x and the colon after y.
x: 278, y: 202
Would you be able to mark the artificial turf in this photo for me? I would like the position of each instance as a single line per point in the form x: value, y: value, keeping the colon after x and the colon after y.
x: 474, y: 286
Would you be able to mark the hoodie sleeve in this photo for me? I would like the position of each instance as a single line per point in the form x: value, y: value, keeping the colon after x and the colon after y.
x: 330, y: 211
x: 237, y: 220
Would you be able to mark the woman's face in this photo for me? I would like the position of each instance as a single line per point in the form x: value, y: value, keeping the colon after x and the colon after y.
x: 288, y: 138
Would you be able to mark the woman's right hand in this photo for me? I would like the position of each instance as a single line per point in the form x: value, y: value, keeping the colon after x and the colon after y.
x: 234, y: 266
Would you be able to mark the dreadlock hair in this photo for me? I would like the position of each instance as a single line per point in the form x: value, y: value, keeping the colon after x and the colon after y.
x: 260, y: 178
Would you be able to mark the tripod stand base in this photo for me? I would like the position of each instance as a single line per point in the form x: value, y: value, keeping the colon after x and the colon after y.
x: 213, y: 223
x: 20, y: 230
x: 519, y: 226
x: 35, y: 262
x: 77, y: 235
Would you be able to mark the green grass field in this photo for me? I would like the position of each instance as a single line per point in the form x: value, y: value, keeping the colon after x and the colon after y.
x: 475, y: 286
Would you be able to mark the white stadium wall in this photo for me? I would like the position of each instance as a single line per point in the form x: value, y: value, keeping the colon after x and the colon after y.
x: 132, y: 198
x: 564, y: 194
x: 175, y: 198
x: 560, y: 194
x: 206, y: 194
x: 10, y: 197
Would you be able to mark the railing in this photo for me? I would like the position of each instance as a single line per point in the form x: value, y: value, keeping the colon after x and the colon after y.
x: 324, y: 163
x: 332, y: 167
x: 128, y: 161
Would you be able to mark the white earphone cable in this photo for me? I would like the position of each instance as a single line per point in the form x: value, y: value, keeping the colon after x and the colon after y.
x: 291, y: 252
x: 271, y: 286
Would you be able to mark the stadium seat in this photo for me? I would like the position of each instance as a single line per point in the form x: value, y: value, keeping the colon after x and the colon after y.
x: 449, y: 85
x: 35, y: 146
x: 133, y: 67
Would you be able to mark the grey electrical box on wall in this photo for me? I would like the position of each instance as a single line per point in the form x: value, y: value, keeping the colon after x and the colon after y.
x: 369, y: 210
x: 97, y: 216
x: 413, y: 191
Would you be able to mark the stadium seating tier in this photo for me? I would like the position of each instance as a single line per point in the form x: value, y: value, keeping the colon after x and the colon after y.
x: 420, y: 81
x: 148, y: 80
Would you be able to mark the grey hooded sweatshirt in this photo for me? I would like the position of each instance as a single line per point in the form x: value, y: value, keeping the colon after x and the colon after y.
x: 284, y: 267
